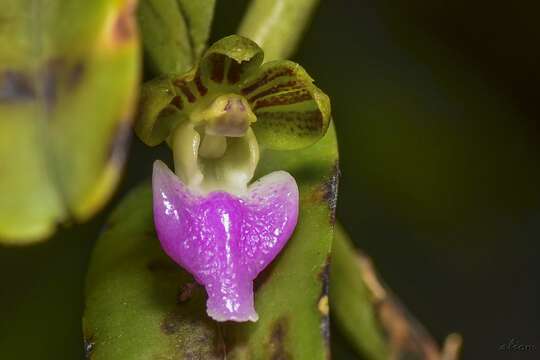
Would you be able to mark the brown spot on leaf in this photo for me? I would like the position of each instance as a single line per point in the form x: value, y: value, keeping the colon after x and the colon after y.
x: 328, y: 191
x: 15, y: 87
x: 124, y: 24
x: 50, y: 81
x: 186, y: 291
x: 89, y: 345
x: 323, y: 304
x: 118, y: 147
x: 191, y: 334
x: 75, y: 75
x: 324, y: 276
x: 169, y: 325
x: 331, y: 191
x: 276, y: 344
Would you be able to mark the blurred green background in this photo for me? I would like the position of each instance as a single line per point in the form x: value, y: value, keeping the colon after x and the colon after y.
x: 436, y: 108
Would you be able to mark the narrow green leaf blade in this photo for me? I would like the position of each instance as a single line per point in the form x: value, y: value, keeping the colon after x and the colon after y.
x: 198, y: 15
x: 174, y: 33
x: 165, y: 37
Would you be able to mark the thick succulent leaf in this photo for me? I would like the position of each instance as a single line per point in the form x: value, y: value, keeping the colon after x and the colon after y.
x: 277, y: 26
x: 291, y: 112
x: 68, y: 75
x: 155, y: 310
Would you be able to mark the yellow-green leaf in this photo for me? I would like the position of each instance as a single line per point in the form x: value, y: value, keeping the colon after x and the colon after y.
x: 68, y: 81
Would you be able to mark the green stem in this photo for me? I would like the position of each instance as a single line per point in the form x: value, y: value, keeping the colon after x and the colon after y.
x: 371, y: 317
x: 277, y: 25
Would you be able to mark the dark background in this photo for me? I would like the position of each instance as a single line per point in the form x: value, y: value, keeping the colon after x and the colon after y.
x: 436, y: 109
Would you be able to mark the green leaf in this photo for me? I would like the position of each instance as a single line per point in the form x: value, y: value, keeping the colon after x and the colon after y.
x: 352, y: 303
x: 174, y: 33
x: 165, y: 37
x: 198, y: 15
x: 277, y: 26
x: 154, y: 311
x: 68, y: 76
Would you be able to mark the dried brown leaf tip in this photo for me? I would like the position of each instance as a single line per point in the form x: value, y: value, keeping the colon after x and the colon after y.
x: 407, y: 338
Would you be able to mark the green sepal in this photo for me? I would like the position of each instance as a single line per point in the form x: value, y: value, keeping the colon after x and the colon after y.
x: 157, y: 114
x: 169, y: 99
x: 291, y: 111
x: 230, y: 60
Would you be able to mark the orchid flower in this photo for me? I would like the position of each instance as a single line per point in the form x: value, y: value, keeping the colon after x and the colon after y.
x: 209, y: 217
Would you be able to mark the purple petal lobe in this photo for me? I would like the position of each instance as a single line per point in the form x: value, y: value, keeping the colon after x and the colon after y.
x: 225, y: 241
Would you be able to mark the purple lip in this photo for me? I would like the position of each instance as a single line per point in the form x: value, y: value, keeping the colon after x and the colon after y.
x: 224, y: 240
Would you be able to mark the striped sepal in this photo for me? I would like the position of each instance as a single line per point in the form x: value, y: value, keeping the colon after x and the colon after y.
x: 291, y: 111
x: 230, y: 60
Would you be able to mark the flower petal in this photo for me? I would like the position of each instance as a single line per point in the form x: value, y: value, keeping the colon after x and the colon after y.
x: 222, y: 239
x: 291, y: 111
